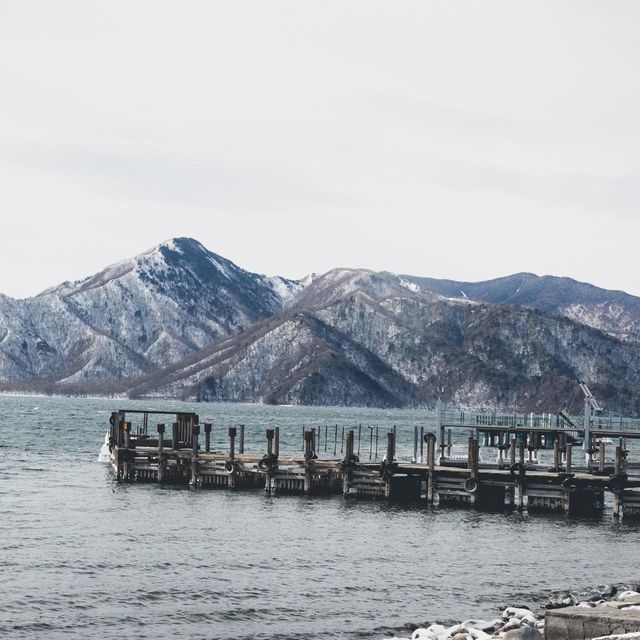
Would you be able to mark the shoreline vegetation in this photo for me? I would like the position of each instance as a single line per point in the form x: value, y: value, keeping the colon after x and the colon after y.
x: 519, y: 622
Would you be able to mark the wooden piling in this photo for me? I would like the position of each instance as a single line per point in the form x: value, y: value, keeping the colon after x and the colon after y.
x: 601, y: 456
x: 556, y: 451
x: 309, y: 437
x: 568, y: 457
x: 276, y: 449
x: 160, y: 453
x: 415, y: 444
x: 195, y: 433
x: 232, y: 456
x: 174, y: 436
x: 207, y: 437
x: 241, y: 441
x: 431, y: 455
x: 388, y: 478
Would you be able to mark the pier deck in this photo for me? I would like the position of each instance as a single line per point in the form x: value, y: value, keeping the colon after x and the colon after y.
x: 519, y: 478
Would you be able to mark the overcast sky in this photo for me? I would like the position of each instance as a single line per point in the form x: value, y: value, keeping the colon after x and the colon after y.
x: 465, y: 140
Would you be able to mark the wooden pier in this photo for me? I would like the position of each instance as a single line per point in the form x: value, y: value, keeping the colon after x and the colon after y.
x: 503, y: 464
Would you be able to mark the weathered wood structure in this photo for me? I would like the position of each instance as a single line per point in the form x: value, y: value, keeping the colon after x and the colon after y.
x: 533, y: 464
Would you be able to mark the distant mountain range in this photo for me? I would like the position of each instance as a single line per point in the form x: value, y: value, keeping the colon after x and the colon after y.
x: 181, y: 321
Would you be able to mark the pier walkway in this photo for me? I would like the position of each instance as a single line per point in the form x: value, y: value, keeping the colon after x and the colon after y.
x: 534, y: 462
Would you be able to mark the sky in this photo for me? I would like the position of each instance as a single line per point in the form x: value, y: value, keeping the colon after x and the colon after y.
x: 462, y: 140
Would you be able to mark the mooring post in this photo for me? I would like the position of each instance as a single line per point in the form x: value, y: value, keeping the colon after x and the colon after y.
x: 326, y: 433
x: 241, y: 443
x: 568, y: 457
x: 556, y: 451
x: 309, y: 437
x: 449, y: 432
x: 160, y: 453
x: 342, y: 441
x: 440, y: 425
x: 421, y: 445
x: 232, y: 456
x: 174, y: 435
x: 276, y: 447
x: 431, y: 459
x: 512, y: 451
x: 617, y: 495
x: 375, y: 455
x: 207, y: 437
x: 349, y: 448
x: 270, y: 433
x: 370, y: 442
x: 601, y: 454
x: 388, y: 477
x: 195, y: 433
x: 335, y: 442
x: 346, y: 464
x: 126, y: 426
x: 359, y: 437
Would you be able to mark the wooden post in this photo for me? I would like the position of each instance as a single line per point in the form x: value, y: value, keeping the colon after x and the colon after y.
x: 335, y: 442
x: 431, y: 455
x: 391, y: 450
x: 568, y: 457
x: 521, y: 449
x: 126, y: 427
x: 270, y: 433
x: 309, y: 437
x: 370, y: 442
x: 601, y: 454
x: 617, y: 495
x: 422, y: 445
x: 276, y: 447
x: 232, y: 456
x: 449, y: 443
x: 241, y: 443
x: 618, y: 461
x: 326, y: 434
x: 195, y: 433
x: 349, y: 447
x: 556, y: 451
x: 160, y: 453
x: 207, y: 437
x: 375, y: 455
x: 415, y: 444
x: 512, y: 451
x: 174, y: 436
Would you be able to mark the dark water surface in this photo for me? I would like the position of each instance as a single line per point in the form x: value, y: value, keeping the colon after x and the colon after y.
x: 84, y: 557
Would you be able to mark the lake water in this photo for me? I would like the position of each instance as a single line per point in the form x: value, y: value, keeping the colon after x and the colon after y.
x: 85, y: 557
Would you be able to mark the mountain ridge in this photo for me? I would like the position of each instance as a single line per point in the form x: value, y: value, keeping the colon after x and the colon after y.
x: 179, y: 320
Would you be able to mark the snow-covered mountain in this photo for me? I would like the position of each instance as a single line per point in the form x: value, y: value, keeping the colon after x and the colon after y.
x: 357, y: 337
x: 134, y: 316
x: 181, y: 321
x: 614, y: 312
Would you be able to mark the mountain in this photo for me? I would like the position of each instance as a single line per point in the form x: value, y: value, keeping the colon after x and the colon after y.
x: 134, y: 316
x: 181, y: 321
x: 614, y: 312
x: 356, y: 337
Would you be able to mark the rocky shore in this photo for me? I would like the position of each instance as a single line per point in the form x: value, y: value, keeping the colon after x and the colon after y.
x: 522, y: 623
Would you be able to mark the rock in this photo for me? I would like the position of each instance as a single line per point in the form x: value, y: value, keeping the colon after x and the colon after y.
x: 461, y: 636
x: 515, y: 612
x: 423, y: 634
x: 455, y: 629
x: 478, y: 634
x: 524, y: 633
x: 438, y: 630
x: 540, y: 624
x: 627, y: 595
x: 410, y: 625
x: 607, y: 590
x: 483, y: 625
x: 529, y: 619
x: 511, y: 624
x: 586, y: 604
x: 561, y: 599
